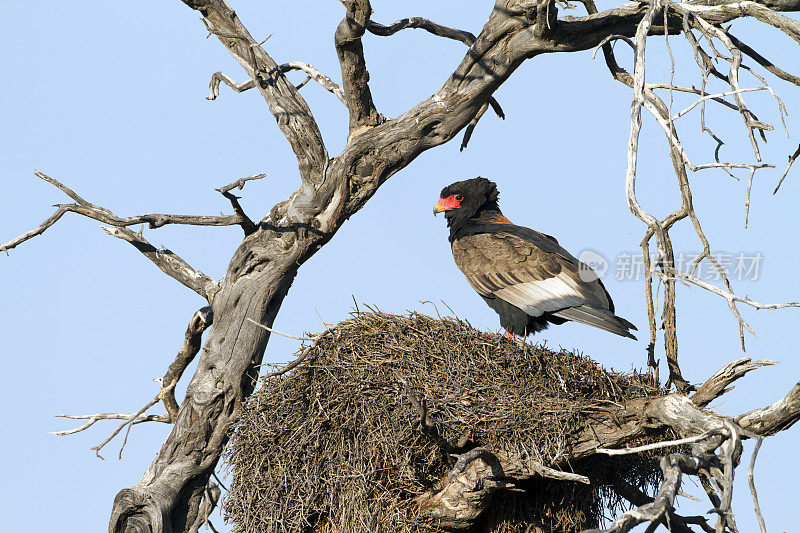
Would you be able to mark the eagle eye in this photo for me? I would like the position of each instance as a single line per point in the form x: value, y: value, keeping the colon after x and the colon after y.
x: 459, y: 197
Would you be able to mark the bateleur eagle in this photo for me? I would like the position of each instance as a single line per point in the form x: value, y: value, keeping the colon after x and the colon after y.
x: 524, y: 275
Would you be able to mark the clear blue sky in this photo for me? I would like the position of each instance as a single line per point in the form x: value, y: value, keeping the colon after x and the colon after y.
x: 110, y: 99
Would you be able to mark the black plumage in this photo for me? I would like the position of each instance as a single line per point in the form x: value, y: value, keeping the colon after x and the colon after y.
x: 524, y: 275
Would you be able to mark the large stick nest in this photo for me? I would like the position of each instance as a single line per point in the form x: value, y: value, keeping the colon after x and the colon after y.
x: 370, y: 420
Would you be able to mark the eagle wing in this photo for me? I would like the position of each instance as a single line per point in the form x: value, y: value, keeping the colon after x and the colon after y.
x: 536, y: 280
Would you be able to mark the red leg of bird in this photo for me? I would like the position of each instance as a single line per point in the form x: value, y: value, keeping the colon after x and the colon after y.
x: 510, y: 336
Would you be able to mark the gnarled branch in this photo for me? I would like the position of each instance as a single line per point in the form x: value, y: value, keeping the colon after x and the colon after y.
x: 290, y: 110
x: 355, y: 78
x: 313, y: 74
x: 199, y: 322
x: 247, y: 225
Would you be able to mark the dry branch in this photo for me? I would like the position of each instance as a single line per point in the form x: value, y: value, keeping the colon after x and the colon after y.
x: 247, y: 225
x: 313, y: 74
x: 129, y: 420
x: 168, y: 262
x: 326, y: 83
x: 721, y: 381
x: 164, y: 259
x: 290, y: 110
x: 764, y: 62
x: 792, y: 159
x: 726, y: 294
x: 92, y: 419
x: 751, y: 481
x: 199, y: 322
x: 421, y: 23
x: 449, y: 33
x: 666, y: 119
x: 673, y: 466
x: 89, y: 210
x: 219, y: 77
x: 355, y: 78
x: 654, y: 446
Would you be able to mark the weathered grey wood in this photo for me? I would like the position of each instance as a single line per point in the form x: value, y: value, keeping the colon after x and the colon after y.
x: 355, y: 78
x: 199, y: 322
x: 285, y: 103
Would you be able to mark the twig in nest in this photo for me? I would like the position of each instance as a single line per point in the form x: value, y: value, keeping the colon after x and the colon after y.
x: 300, y: 358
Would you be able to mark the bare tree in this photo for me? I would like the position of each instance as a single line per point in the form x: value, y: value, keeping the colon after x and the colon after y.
x: 243, y: 305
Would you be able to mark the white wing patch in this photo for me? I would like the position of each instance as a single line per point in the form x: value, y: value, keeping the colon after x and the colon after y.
x: 543, y: 296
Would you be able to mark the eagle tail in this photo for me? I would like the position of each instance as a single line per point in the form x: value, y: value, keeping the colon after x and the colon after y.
x: 599, y: 318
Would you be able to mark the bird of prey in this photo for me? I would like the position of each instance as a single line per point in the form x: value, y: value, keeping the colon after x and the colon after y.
x: 524, y: 275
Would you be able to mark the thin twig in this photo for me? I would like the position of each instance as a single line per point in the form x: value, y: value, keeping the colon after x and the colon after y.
x: 327, y: 83
x: 792, y: 159
x: 751, y: 481
x: 169, y: 263
x: 727, y: 295
x: 713, y: 97
x: 127, y: 422
x: 106, y: 416
x: 471, y: 126
x: 747, y: 197
x: 300, y: 358
x: 221, y: 484
x: 239, y: 184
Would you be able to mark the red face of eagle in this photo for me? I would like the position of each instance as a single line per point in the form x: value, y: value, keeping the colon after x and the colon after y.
x: 524, y: 275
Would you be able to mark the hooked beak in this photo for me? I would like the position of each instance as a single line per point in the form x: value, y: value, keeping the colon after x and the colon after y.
x: 447, y: 204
